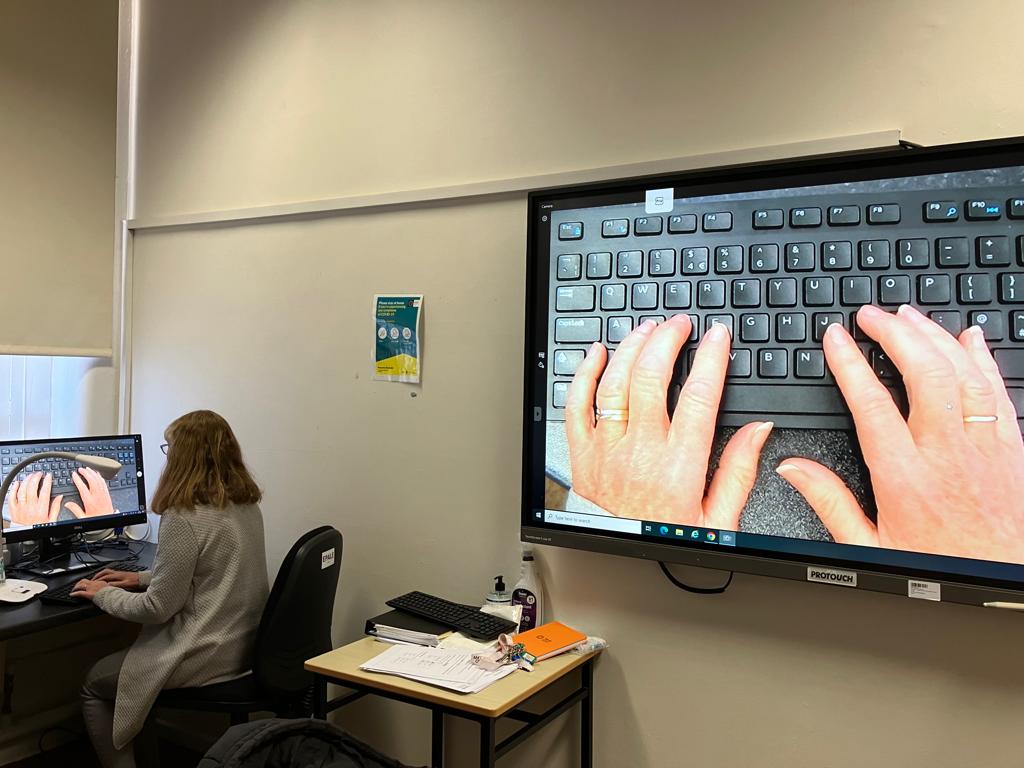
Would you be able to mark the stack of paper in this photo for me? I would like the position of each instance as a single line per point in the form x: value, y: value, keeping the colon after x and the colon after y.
x: 401, y: 627
x: 452, y: 669
x: 409, y: 636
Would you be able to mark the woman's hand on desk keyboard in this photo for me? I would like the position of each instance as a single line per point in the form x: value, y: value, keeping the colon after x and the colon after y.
x: 30, y: 502
x: 88, y: 588
x: 942, y: 485
x: 122, y: 579
x: 648, y: 465
x: 94, y: 492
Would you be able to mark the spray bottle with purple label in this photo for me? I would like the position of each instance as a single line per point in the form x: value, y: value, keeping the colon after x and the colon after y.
x: 529, y: 593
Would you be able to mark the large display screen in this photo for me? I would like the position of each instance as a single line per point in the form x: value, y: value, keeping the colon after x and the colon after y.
x: 54, y: 497
x: 786, y: 368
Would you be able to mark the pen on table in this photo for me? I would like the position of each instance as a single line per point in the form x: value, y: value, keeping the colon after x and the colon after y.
x: 1007, y: 606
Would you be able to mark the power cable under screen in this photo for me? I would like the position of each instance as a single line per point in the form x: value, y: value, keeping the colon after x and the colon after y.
x: 695, y: 590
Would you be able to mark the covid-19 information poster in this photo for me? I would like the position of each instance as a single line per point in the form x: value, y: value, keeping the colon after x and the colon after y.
x: 396, y: 349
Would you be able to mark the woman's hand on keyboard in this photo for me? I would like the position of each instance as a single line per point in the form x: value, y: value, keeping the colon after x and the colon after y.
x: 942, y: 485
x: 30, y: 502
x: 88, y: 588
x: 94, y: 492
x: 122, y: 579
x: 649, y: 466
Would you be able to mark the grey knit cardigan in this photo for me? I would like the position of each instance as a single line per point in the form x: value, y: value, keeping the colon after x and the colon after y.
x: 200, y: 609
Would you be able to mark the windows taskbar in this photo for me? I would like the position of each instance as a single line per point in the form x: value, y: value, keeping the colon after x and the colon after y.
x: 638, y: 527
x: 807, y: 550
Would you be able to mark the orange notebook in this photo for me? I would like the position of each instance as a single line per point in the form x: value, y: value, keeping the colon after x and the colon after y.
x: 550, y: 639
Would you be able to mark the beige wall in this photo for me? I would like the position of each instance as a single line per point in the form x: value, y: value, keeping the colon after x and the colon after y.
x: 249, y: 102
x: 58, y: 83
x: 259, y: 103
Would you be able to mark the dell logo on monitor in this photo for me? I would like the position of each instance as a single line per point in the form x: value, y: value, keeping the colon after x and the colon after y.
x: 832, y: 576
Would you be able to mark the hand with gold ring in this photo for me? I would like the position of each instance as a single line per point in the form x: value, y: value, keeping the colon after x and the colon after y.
x: 631, y: 457
x: 947, y: 480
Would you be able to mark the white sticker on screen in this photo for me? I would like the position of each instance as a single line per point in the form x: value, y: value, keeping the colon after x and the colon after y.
x: 924, y: 590
x: 659, y: 200
x: 327, y: 558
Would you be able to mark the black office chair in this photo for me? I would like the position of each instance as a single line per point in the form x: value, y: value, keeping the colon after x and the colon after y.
x: 295, y: 626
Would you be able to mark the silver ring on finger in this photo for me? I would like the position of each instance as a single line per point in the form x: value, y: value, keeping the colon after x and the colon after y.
x: 980, y: 419
x: 613, y: 414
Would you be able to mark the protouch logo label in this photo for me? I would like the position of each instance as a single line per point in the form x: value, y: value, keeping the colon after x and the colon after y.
x: 832, y: 576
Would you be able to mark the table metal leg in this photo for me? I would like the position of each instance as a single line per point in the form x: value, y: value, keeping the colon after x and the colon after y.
x: 436, y: 739
x: 487, y: 756
x: 587, y: 716
x: 319, y: 697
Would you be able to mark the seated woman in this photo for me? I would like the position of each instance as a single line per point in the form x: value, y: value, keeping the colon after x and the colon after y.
x: 200, y: 605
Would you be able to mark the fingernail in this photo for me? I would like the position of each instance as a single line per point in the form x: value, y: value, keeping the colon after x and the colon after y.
x: 593, y: 348
x: 717, y: 332
x: 907, y: 311
x: 870, y: 310
x: 760, y: 434
x: 977, y: 337
x: 647, y: 325
x: 678, y: 318
x: 788, y: 470
x: 837, y: 334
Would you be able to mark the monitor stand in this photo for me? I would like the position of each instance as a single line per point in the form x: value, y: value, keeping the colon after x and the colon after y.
x: 56, y: 557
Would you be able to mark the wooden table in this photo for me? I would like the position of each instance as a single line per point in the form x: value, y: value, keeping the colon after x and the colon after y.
x: 501, y: 699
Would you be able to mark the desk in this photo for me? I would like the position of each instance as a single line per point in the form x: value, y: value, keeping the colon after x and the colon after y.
x: 498, y: 700
x: 24, y: 618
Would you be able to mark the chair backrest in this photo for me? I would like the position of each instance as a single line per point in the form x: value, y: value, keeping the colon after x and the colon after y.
x: 296, y: 623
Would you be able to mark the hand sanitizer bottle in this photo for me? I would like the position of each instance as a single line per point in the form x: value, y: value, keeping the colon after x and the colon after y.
x: 499, y: 595
x: 529, y: 593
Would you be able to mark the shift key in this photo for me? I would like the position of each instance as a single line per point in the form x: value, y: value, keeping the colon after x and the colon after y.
x: 1010, y: 362
x: 577, y: 329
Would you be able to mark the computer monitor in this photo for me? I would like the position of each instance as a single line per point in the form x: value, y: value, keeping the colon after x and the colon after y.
x: 621, y: 273
x: 116, y: 503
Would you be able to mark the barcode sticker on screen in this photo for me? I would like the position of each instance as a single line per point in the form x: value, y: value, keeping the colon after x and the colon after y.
x: 924, y: 590
x: 659, y: 200
x: 327, y: 558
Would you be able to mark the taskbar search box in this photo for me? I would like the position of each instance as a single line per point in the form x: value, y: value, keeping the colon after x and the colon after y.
x: 599, y: 522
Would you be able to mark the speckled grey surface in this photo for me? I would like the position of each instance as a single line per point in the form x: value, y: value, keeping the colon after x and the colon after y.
x: 774, y: 507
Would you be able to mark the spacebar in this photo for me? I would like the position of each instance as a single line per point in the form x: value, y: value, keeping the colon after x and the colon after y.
x: 789, y: 398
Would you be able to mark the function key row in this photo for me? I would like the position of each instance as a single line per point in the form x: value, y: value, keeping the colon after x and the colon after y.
x: 680, y: 224
x: 830, y: 256
x: 775, y: 218
x: 973, y: 210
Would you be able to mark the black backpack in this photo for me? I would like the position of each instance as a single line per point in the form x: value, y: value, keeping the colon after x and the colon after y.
x: 301, y: 743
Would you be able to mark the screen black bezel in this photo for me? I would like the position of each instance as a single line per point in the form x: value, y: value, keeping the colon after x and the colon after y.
x: 72, y: 527
x: 747, y: 177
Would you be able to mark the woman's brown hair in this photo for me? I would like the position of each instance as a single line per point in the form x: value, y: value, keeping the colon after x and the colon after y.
x: 204, y: 466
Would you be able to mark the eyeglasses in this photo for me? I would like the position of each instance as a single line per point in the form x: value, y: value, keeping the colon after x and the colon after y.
x: 163, y: 447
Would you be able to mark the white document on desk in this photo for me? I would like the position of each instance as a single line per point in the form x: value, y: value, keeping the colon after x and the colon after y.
x: 452, y: 669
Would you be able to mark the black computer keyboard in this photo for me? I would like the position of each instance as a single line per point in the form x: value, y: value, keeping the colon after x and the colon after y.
x: 62, y: 595
x: 469, y: 621
x: 61, y: 470
x: 778, y: 269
